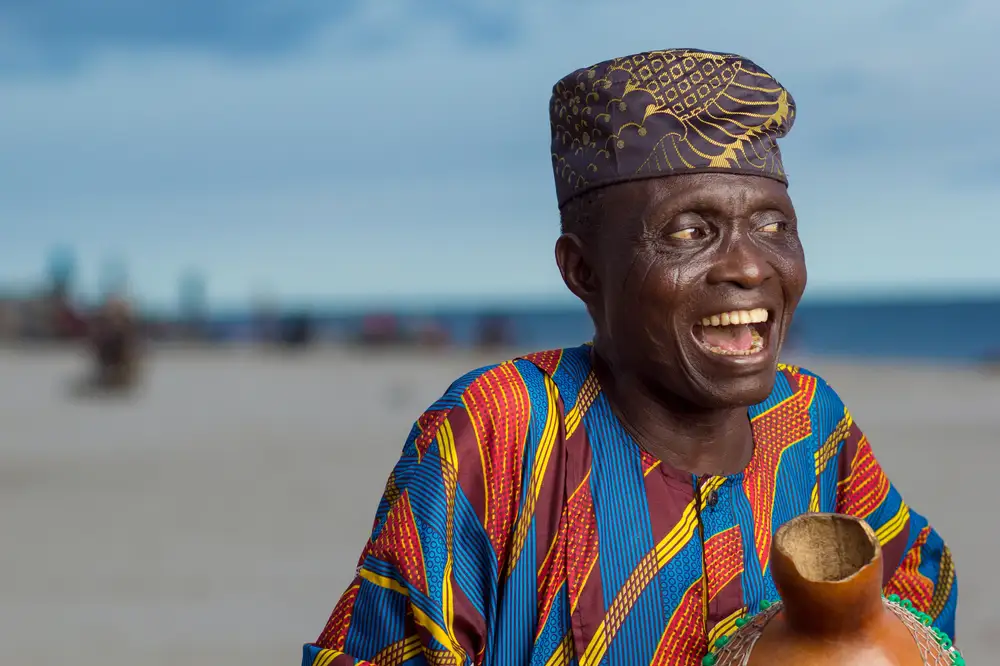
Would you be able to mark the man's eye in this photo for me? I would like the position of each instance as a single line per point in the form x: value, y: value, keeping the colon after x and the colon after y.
x: 691, y: 233
x: 772, y: 227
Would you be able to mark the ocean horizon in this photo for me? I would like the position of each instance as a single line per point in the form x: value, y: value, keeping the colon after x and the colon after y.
x: 924, y: 328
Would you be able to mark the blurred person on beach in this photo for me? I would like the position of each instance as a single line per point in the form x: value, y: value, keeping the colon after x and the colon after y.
x: 494, y: 332
x: 114, y: 342
x: 615, y: 502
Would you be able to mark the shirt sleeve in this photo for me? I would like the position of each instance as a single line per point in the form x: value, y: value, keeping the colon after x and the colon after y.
x: 426, y: 581
x: 918, y: 564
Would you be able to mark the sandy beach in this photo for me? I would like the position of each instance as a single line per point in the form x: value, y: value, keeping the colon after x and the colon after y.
x: 215, y: 517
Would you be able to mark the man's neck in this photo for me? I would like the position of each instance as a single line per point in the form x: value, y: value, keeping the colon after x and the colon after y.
x: 695, y: 440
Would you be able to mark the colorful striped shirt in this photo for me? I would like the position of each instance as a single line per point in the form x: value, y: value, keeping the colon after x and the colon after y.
x: 524, y: 525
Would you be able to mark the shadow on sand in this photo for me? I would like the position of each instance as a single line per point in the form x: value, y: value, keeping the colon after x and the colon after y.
x: 115, y: 386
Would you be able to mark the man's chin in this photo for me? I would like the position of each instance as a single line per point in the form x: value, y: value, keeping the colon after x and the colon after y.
x: 729, y: 392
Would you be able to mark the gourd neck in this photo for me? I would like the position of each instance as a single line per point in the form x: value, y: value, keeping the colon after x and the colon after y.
x: 828, y: 570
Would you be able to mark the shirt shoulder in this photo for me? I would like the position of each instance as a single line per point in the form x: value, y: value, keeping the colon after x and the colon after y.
x: 513, y: 375
x: 513, y: 390
x: 827, y: 411
x: 569, y: 369
x: 808, y: 381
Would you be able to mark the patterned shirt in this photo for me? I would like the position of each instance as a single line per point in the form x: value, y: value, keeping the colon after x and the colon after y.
x: 524, y: 525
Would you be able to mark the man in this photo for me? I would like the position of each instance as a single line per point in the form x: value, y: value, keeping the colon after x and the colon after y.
x: 615, y: 503
x: 114, y: 340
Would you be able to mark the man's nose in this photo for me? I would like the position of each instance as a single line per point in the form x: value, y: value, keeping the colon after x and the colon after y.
x: 742, y: 264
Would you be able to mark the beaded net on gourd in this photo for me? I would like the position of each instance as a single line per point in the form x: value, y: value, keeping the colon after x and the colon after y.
x: 935, y: 647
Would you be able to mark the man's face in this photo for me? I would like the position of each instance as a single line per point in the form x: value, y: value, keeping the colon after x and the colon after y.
x: 694, y: 282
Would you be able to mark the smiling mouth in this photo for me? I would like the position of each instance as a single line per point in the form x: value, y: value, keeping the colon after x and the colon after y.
x: 735, y: 333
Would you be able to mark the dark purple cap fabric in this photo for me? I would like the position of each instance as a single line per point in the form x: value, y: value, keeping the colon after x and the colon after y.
x: 664, y: 113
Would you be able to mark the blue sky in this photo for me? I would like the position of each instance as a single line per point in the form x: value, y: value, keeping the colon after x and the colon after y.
x: 375, y: 152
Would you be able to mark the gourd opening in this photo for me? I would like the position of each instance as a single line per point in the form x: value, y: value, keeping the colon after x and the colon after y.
x: 827, y: 548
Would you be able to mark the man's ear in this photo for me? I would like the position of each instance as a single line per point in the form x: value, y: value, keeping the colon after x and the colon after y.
x: 575, y: 266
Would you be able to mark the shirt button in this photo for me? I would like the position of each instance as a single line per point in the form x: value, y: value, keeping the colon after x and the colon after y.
x: 713, y: 498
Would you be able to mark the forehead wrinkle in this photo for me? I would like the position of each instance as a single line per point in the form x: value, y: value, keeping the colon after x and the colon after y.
x: 731, y: 202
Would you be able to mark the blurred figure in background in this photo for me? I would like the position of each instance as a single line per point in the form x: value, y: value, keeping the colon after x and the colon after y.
x: 114, y: 342
x: 380, y: 330
x: 432, y: 334
x: 494, y: 332
x: 297, y: 331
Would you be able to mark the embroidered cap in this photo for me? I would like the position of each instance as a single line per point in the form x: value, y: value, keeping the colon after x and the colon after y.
x: 664, y: 113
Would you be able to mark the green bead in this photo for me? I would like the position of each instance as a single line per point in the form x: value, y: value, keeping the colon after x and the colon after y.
x: 742, y: 621
x: 721, y: 641
x: 946, y: 643
x: 957, y: 659
x: 894, y: 598
x: 907, y: 604
x: 765, y: 604
x: 926, y: 619
x: 709, y: 659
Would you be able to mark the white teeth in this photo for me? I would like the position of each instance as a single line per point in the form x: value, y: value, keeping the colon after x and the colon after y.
x: 755, y: 316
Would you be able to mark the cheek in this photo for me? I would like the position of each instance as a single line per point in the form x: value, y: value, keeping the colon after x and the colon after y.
x: 794, y: 276
x: 660, y: 298
x: 629, y: 280
x: 795, y: 270
x: 665, y: 283
x: 625, y: 295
